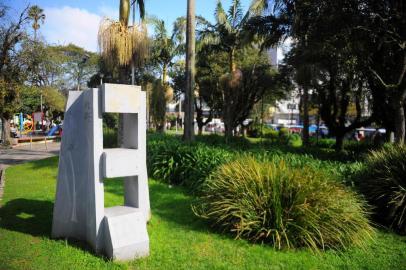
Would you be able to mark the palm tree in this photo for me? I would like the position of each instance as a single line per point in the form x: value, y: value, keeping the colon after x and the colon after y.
x: 165, y: 48
x: 228, y: 35
x: 36, y: 14
x: 188, y: 134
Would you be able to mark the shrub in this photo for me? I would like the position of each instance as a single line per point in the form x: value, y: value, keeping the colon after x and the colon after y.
x: 383, y: 182
x: 286, y: 207
x: 179, y: 164
x: 109, y: 137
x: 271, y: 134
x: 295, y: 140
x: 254, y: 130
x: 284, y: 135
x: 324, y: 143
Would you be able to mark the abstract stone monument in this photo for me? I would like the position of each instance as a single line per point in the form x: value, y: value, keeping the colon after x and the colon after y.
x: 119, y: 232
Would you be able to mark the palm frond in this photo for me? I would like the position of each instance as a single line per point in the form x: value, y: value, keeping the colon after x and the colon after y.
x: 179, y: 29
x: 221, y: 17
x: 235, y: 13
x: 257, y: 7
x: 141, y: 7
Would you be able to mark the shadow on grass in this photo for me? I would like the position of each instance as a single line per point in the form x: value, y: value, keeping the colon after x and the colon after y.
x: 27, y: 216
x: 33, y: 217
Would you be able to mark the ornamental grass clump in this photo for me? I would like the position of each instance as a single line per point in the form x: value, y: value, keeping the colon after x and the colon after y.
x: 269, y: 202
x: 383, y: 182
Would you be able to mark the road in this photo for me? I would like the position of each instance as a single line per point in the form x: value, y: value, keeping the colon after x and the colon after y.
x: 24, y: 153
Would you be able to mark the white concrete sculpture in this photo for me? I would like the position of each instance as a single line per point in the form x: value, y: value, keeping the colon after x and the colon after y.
x: 119, y: 232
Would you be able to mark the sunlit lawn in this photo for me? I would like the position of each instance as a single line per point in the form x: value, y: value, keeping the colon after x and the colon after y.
x: 177, y: 239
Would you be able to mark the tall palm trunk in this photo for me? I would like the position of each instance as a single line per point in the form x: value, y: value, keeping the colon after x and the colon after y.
x: 400, y: 129
x: 228, y: 126
x: 164, y: 73
x: 306, y: 115
x: 124, y: 12
x: 188, y: 134
x: 231, y: 60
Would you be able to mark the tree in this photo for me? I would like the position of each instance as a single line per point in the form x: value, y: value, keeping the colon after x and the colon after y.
x: 158, y: 104
x: 375, y: 28
x: 383, y: 39
x: 53, y: 100
x: 165, y: 48
x: 256, y: 80
x: 36, y: 14
x: 210, y: 66
x: 188, y: 134
x: 228, y: 35
x: 11, y: 34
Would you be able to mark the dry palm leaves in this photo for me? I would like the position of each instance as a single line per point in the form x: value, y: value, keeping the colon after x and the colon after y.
x: 120, y: 44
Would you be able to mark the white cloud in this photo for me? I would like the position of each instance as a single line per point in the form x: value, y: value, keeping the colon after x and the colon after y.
x: 71, y: 25
x: 109, y: 12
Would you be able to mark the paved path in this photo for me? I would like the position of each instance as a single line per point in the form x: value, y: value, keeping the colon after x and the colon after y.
x: 24, y: 153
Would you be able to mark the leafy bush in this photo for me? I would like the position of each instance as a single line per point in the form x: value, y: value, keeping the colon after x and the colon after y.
x: 284, y: 206
x: 254, y: 130
x: 284, y: 135
x: 271, y: 134
x: 323, y: 142
x: 109, y: 137
x: 162, y: 149
x: 179, y: 164
x: 383, y: 182
x: 295, y: 140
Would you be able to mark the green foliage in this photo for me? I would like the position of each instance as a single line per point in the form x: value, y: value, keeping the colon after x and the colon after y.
x: 110, y: 120
x: 270, y: 134
x: 163, y: 149
x: 9, y: 98
x: 295, y: 140
x: 179, y: 164
x: 52, y: 99
x: 158, y: 104
x: 383, y: 182
x: 109, y: 137
x: 286, y: 207
x: 281, y: 137
x: 284, y: 134
x: 26, y: 218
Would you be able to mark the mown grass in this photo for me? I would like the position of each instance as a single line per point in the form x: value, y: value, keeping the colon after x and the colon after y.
x: 178, y: 240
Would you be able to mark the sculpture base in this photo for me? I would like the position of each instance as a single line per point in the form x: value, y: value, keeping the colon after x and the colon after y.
x: 126, y: 235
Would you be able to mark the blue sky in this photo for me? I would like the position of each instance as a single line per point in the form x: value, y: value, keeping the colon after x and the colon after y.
x: 77, y: 21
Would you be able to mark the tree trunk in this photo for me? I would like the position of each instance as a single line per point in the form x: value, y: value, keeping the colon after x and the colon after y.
x: 6, y: 132
x: 228, y: 127
x: 400, y: 122
x: 200, y: 131
x: 305, y: 116
x: 339, y: 142
x: 232, y: 64
x: 188, y: 134
x: 124, y: 12
x: 164, y: 73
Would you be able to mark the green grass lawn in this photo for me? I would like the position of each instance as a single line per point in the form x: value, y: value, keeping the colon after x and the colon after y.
x: 178, y: 240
